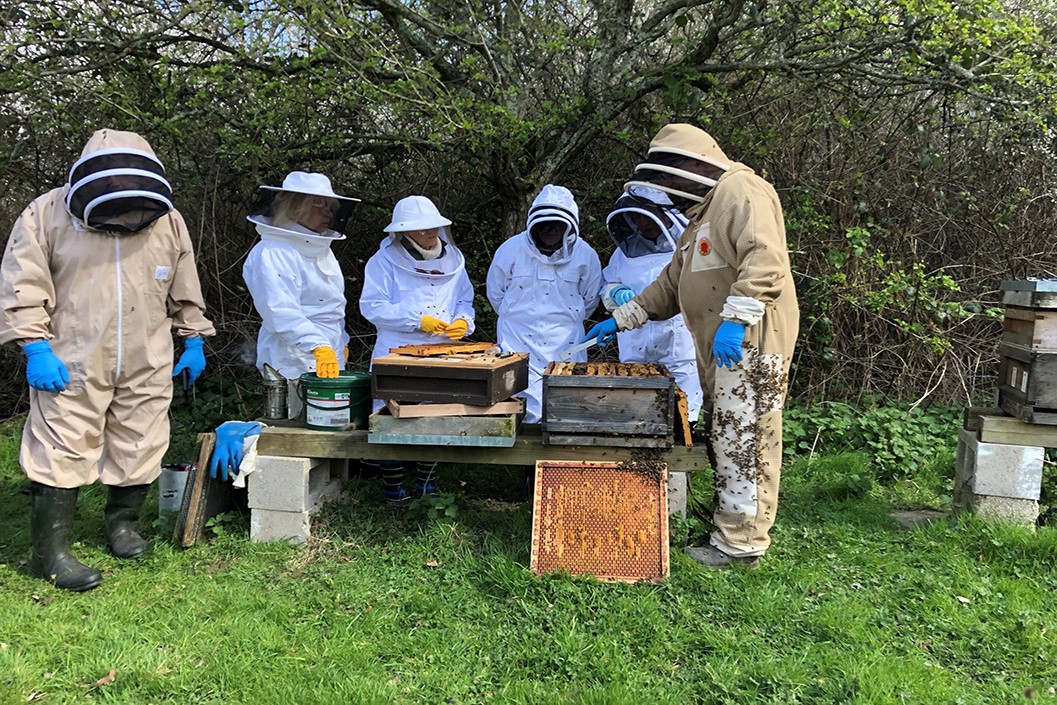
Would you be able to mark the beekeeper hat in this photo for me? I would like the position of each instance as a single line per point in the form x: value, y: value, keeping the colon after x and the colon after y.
x: 415, y: 213
x: 309, y: 183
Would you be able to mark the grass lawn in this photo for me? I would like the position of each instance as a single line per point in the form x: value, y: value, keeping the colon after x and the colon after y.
x: 846, y: 608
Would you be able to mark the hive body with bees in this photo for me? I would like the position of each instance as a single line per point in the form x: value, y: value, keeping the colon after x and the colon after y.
x: 609, y: 404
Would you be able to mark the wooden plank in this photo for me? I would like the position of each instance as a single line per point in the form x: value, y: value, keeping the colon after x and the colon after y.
x: 411, y: 411
x: 442, y: 349
x: 682, y: 417
x: 204, y: 497
x: 971, y: 416
x: 382, y: 425
x: 1011, y: 431
x: 478, y: 361
x: 528, y: 447
x: 583, y: 439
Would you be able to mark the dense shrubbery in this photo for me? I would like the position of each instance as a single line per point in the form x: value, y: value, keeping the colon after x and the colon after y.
x: 911, y: 143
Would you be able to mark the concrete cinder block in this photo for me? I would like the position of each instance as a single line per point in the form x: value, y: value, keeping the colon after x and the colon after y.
x: 1017, y: 511
x: 271, y: 525
x: 996, y: 469
x: 676, y: 494
x: 288, y: 484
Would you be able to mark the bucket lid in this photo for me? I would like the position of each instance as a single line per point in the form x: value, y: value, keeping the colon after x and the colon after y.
x: 345, y: 379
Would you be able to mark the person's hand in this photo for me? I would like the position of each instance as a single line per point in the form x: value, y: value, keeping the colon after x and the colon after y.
x: 44, y: 370
x: 432, y: 325
x: 227, y: 453
x: 326, y: 362
x: 726, y: 346
x: 193, y: 360
x: 345, y: 357
x: 602, y: 332
x: 622, y: 294
x: 457, y: 329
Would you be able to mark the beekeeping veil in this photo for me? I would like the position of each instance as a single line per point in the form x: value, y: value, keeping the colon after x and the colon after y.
x: 118, y: 185
x: 684, y: 162
x: 554, y: 205
x: 276, y: 202
x: 644, y: 222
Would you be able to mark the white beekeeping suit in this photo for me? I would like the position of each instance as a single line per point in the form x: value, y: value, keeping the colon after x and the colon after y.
x: 543, y: 289
x: 296, y: 283
x: 405, y: 285
x: 645, y: 226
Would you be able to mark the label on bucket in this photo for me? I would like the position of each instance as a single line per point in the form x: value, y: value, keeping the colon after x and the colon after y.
x: 328, y: 412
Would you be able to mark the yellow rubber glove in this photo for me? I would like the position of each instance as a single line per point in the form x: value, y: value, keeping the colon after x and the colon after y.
x: 432, y: 325
x: 346, y: 358
x: 326, y: 361
x: 457, y: 329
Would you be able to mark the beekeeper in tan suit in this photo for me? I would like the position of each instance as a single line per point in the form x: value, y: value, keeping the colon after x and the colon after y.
x: 96, y: 276
x: 730, y: 278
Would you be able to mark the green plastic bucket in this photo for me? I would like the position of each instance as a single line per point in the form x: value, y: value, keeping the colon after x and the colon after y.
x: 336, y: 403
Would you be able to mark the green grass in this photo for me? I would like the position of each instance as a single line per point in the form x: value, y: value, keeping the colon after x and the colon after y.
x: 846, y: 608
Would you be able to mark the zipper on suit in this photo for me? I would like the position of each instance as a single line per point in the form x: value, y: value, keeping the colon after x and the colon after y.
x: 120, y: 306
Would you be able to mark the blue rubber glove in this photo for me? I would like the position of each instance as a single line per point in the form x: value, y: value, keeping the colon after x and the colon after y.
x: 622, y: 294
x: 227, y: 453
x: 603, y: 332
x: 193, y: 360
x: 726, y: 346
x: 44, y: 371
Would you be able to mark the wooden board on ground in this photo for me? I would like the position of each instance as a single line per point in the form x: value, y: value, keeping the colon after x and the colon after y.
x: 204, y: 497
x: 406, y: 410
x: 454, y: 348
x: 609, y: 520
x: 498, y: 431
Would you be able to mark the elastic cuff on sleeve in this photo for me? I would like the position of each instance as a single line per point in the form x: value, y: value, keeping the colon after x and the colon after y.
x: 743, y: 309
x: 630, y: 316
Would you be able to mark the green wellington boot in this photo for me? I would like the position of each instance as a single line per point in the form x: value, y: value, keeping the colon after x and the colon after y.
x: 123, y: 505
x: 51, y: 514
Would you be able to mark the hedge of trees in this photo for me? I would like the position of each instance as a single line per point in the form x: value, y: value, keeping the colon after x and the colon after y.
x: 912, y: 141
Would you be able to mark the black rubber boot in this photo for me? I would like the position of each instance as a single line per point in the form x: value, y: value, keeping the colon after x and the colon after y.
x: 51, y: 514
x: 122, y: 520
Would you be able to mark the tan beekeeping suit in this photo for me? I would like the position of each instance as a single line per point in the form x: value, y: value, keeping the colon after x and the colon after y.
x: 109, y: 305
x: 733, y: 250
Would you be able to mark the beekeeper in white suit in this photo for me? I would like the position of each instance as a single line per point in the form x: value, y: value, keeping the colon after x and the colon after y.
x: 543, y: 283
x: 296, y: 283
x: 415, y: 291
x: 645, y: 226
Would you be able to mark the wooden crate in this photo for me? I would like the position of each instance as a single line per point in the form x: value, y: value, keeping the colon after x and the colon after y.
x: 480, y: 379
x: 608, y: 404
x: 1027, y: 374
x: 495, y: 431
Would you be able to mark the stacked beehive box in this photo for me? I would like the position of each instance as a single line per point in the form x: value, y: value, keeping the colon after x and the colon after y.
x: 603, y: 403
x: 1000, y: 459
x: 451, y: 394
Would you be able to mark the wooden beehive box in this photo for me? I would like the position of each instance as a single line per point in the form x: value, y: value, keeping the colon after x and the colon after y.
x: 478, y: 378
x: 608, y: 404
x: 1027, y: 374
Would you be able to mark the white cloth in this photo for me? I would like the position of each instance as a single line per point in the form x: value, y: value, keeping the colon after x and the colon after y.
x: 743, y: 309
x: 542, y: 303
x: 668, y: 342
x: 248, y: 466
x: 399, y: 290
x: 299, y: 292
